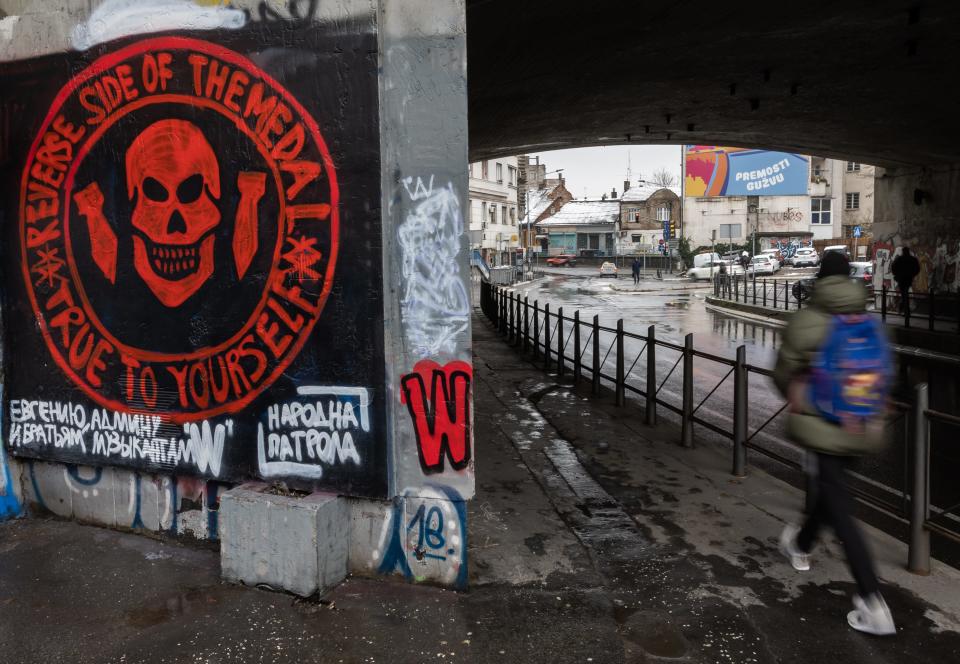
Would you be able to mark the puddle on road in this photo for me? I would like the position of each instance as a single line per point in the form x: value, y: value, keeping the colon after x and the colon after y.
x: 173, y: 607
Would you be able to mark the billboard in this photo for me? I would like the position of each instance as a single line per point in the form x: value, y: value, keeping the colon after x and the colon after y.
x: 713, y: 170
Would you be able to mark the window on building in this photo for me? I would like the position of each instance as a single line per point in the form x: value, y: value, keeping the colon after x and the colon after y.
x: 503, y: 214
x: 853, y: 200
x: 636, y: 216
x: 636, y: 239
x: 512, y: 175
x: 485, y: 169
x: 513, y: 215
x: 853, y: 166
x: 820, y: 211
x: 493, y: 214
x: 499, y: 172
x: 730, y: 231
x: 663, y: 214
x: 483, y: 213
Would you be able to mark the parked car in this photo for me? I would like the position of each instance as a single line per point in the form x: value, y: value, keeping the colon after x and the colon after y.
x: 713, y: 268
x: 806, y: 256
x: 562, y: 260
x: 731, y: 256
x: 862, y: 271
x: 609, y: 269
x: 776, y: 256
x: 839, y: 248
x: 705, y: 259
x: 763, y: 264
x: 709, y: 270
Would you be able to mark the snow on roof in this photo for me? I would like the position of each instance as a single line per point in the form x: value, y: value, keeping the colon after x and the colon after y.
x: 538, y: 200
x: 644, y: 190
x: 585, y: 213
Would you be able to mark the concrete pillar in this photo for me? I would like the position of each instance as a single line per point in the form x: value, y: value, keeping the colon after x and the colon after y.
x: 330, y: 140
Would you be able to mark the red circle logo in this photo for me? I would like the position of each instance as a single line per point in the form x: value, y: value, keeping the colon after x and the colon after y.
x: 179, y: 229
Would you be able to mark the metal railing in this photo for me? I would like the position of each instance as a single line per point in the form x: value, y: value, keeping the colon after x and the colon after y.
x: 936, y: 311
x: 586, y: 350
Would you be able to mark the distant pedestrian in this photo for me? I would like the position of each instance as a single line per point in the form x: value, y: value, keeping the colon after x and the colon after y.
x: 744, y: 261
x: 905, y: 269
x: 834, y: 369
x: 636, y: 271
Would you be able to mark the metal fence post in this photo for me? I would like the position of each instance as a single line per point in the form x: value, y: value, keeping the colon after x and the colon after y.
x: 754, y: 288
x: 595, y: 378
x: 764, y: 292
x: 620, y: 393
x: 503, y: 311
x: 686, y: 428
x: 736, y: 288
x: 918, y: 559
x: 526, y: 323
x: 906, y: 310
x: 740, y: 383
x: 536, y: 328
x: 774, y: 293
x: 576, y: 346
x: 513, y: 323
x: 651, y: 415
x: 883, y: 304
x: 931, y: 301
x: 546, y: 336
x: 520, y: 332
x: 560, y: 341
x: 786, y: 295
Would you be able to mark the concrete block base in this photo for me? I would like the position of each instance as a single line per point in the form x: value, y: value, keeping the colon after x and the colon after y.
x: 289, y: 543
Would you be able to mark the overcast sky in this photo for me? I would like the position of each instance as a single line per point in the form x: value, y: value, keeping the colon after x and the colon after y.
x: 595, y: 171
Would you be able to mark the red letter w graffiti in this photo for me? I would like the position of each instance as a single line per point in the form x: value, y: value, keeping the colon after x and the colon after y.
x: 441, y: 416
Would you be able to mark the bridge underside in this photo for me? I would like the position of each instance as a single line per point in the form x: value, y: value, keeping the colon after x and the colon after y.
x: 868, y: 79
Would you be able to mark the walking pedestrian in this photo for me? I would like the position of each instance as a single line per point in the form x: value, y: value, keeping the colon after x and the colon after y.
x: 834, y: 369
x: 636, y: 270
x: 905, y: 269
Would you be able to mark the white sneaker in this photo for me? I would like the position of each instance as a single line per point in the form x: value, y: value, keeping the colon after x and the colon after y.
x: 871, y: 616
x: 788, y: 546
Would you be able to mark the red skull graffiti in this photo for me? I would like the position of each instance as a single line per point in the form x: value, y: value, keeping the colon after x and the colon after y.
x: 173, y: 174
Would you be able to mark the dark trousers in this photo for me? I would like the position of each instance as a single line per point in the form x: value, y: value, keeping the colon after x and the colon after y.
x: 636, y: 277
x: 832, y: 507
x: 904, y: 298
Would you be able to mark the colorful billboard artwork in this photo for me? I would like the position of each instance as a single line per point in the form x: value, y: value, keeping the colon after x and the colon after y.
x: 720, y: 171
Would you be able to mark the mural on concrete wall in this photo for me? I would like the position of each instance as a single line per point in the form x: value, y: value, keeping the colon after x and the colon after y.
x: 712, y: 170
x: 196, y: 286
x: 939, y: 264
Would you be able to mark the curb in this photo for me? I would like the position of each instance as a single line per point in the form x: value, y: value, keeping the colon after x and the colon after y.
x: 747, y: 311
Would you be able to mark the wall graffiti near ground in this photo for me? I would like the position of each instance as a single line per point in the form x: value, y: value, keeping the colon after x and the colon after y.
x: 179, y: 230
x: 939, y: 264
x: 438, y: 401
x: 128, y: 499
x: 9, y: 503
x: 435, y: 305
x: 300, y: 437
x: 426, y: 537
x: 103, y: 436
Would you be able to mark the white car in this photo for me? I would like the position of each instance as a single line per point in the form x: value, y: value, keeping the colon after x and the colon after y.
x: 772, y: 253
x: 806, y: 256
x: 839, y: 248
x: 762, y: 264
x: 609, y: 269
x: 710, y: 270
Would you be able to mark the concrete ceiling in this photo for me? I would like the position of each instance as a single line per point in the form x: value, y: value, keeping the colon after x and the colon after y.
x: 872, y: 80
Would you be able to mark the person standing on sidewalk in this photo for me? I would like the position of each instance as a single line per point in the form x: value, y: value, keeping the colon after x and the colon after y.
x: 905, y: 269
x: 834, y: 367
x: 636, y: 271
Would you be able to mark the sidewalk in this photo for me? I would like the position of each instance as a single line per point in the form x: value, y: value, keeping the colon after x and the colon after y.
x: 592, y: 539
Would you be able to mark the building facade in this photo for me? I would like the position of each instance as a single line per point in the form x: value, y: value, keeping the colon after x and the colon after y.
x: 582, y: 228
x: 644, y: 208
x: 858, y: 197
x: 494, y: 213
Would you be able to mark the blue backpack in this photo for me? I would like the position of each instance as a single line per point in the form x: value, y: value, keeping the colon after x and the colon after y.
x: 852, y: 372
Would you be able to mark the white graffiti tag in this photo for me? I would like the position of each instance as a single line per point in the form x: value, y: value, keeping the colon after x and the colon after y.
x: 435, y: 305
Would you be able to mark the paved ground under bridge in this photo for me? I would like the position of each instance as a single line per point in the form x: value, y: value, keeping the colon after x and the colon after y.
x: 592, y: 538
